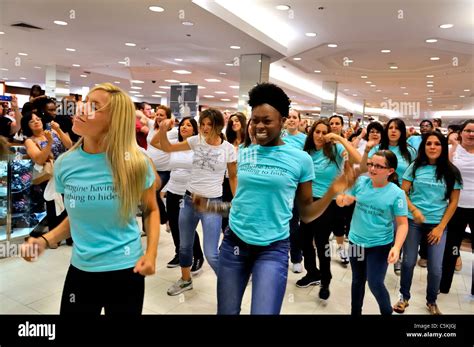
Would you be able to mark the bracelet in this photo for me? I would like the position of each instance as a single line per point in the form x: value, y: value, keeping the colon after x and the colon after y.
x: 47, y: 242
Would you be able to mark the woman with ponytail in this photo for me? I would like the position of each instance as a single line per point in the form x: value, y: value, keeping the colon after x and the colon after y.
x: 371, y: 239
x: 104, y: 177
x: 432, y: 185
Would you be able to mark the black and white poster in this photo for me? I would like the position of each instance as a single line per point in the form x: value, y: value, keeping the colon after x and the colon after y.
x: 184, y: 100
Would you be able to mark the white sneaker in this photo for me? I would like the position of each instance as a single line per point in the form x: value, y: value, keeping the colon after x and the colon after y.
x: 341, y: 251
x: 297, y: 268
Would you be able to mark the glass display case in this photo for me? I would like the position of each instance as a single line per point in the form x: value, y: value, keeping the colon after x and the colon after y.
x: 22, y: 207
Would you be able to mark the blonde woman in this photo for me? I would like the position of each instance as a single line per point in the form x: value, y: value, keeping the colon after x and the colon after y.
x: 103, y: 178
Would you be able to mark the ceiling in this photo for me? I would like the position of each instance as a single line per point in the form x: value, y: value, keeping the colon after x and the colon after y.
x: 98, y: 30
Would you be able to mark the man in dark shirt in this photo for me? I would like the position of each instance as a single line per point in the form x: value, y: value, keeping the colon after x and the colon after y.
x: 63, y: 119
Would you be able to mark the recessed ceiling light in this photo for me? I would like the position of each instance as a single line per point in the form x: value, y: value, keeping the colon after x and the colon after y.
x: 431, y: 40
x: 297, y: 58
x: 467, y: 90
x: 76, y: 65
x: 229, y: 64
x: 394, y: 67
x: 84, y: 76
x: 446, y: 26
x: 24, y: 54
x: 461, y: 96
x: 378, y: 90
x: 225, y: 99
x: 234, y: 87
x: 385, y: 51
x: 235, y: 47
x: 310, y: 34
x: 405, y: 93
x: 71, y: 49
x: 429, y: 82
x: 212, y: 80
x: 283, y: 7
x: 117, y: 82
x: 187, y: 23
x: 135, y: 87
x: 429, y: 76
x: 368, y: 82
x: 332, y: 45
x: 354, y: 94
x: 172, y: 81
x: 60, y: 22
x: 182, y: 72
x: 429, y: 85
x: 134, y: 92
x: 156, y: 8
x: 137, y: 81
x: 317, y: 71
x: 208, y: 96
x: 363, y: 76
x: 219, y: 92
x: 23, y: 78
x: 434, y: 58
x: 3, y: 69
x: 130, y: 44
x: 164, y: 87
x: 178, y: 59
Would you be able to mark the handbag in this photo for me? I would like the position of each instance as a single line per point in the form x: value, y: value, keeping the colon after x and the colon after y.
x: 42, y: 173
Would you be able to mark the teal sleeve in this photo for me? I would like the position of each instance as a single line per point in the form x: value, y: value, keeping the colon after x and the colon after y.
x: 408, y: 175
x: 307, y: 172
x: 372, y: 151
x: 400, y: 207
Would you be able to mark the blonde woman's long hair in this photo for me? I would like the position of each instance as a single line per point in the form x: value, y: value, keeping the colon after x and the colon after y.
x: 128, y: 164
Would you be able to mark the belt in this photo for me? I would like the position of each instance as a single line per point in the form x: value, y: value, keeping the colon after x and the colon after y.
x: 188, y: 193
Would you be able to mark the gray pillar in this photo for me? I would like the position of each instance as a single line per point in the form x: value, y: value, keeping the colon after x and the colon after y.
x: 56, y: 78
x: 329, y: 101
x: 254, y: 68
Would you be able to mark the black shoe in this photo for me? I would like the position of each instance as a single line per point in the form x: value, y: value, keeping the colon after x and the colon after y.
x: 307, y: 281
x: 324, y: 293
x: 69, y: 241
x: 197, y: 266
x: 173, y: 262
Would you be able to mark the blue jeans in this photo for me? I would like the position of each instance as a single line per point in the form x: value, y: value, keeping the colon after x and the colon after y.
x: 268, y: 266
x: 369, y: 265
x: 435, y: 260
x: 211, y: 228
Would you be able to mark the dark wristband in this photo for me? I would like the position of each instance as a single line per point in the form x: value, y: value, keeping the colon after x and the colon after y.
x: 46, y: 240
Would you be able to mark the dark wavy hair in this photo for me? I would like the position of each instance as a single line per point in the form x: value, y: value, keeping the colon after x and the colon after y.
x: 329, y: 149
x: 25, y: 126
x: 402, y: 141
x: 193, y: 123
x: 269, y: 93
x: 392, y: 163
x: 374, y: 125
x: 230, y: 133
x: 444, y: 168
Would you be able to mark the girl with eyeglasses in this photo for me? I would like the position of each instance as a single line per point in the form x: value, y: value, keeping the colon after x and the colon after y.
x: 432, y: 185
x: 371, y: 239
x: 462, y: 156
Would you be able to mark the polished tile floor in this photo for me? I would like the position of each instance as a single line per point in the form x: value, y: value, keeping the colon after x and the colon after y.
x: 35, y: 288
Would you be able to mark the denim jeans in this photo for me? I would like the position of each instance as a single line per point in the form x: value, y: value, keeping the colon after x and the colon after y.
x: 435, y: 260
x: 268, y: 266
x: 369, y: 265
x: 211, y: 228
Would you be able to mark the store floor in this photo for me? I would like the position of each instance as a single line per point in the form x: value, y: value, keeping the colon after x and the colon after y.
x: 35, y: 288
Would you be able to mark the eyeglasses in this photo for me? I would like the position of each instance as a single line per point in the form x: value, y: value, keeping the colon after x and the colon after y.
x: 376, y: 166
x: 468, y: 131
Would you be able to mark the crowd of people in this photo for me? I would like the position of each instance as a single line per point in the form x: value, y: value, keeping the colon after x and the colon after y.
x: 269, y: 190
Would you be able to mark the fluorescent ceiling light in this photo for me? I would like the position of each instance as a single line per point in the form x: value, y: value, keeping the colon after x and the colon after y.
x: 394, y: 67
x: 178, y: 59
x: 84, y: 76
x: 3, y: 69
x: 60, y: 22
x: 297, y: 58
x: 403, y: 87
x: 332, y: 45
x: 235, y: 47
x: 122, y: 62
x: 208, y: 96
x: 283, y: 7
x: 234, y: 87
x: 23, y: 54
x: 71, y: 49
x: 405, y: 93
x: 76, y: 65
x: 172, y: 81
x: 156, y: 8
x: 212, y: 80
x: 137, y: 81
x: 317, y: 71
x: 184, y: 84
x: 182, y: 72
x: 467, y: 90
x: 385, y: 51
x: 225, y: 99
x: 446, y: 26
x: 229, y: 64
x: 431, y: 40
x: 434, y: 58
x: 37, y: 67
x: 187, y: 23
x: 23, y: 78
x: 160, y: 92
x: 134, y: 92
x: 363, y: 76
x: 156, y: 96
x: 220, y: 92
x: 454, y: 113
x: 117, y: 82
x: 139, y: 96
x: 310, y: 34
x: 461, y: 96
x: 164, y: 87
x: 378, y: 90
x: 429, y: 76
x: 130, y: 44
x: 135, y: 87
x: 201, y: 87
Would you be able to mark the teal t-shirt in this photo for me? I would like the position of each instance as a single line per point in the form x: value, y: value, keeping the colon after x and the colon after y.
x: 402, y: 162
x: 427, y: 193
x: 296, y: 141
x: 101, y: 242
x: 325, y: 171
x: 375, y: 210
x: 415, y: 141
x: 267, y: 181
